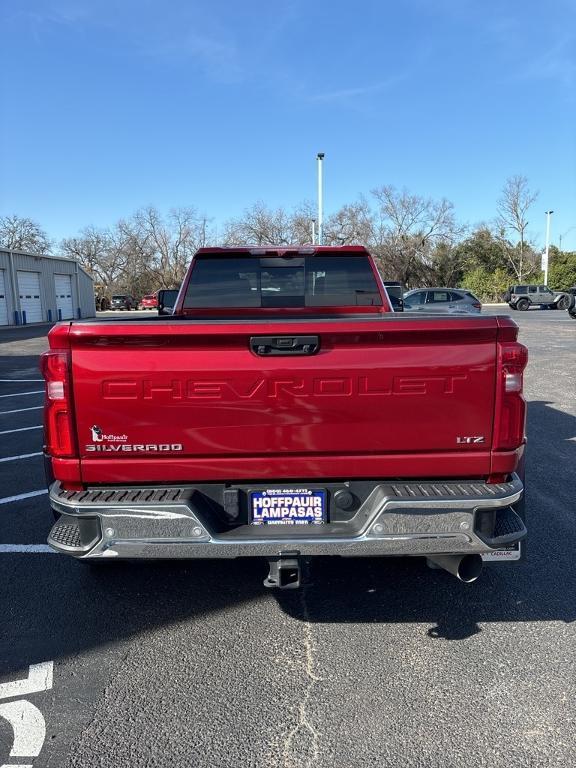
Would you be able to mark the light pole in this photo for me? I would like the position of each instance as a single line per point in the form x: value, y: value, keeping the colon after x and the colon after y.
x: 548, y: 216
x: 320, y: 159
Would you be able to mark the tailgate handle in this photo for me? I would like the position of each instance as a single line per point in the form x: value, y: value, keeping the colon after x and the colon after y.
x: 270, y: 346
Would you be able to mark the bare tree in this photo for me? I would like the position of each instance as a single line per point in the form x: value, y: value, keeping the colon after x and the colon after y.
x: 259, y: 225
x: 353, y: 224
x: 301, y: 223
x: 142, y: 253
x: 162, y: 246
x: 405, y: 230
x: 19, y: 233
x: 512, y: 222
x: 100, y: 253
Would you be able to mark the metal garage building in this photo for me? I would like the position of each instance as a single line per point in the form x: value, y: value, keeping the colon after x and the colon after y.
x: 40, y: 289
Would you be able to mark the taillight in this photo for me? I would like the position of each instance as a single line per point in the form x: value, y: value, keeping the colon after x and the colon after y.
x: 511, y: 406
x: 58, y: 427
x: 477, y: 305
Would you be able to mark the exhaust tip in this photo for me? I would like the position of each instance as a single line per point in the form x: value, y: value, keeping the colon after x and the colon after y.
x: 469, y: 568
x: 466, y: 568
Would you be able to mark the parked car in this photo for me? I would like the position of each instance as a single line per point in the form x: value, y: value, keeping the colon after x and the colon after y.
x: 150, y: 301
x: 283, y: 411
x: 448, y: 300
x: 522, y: 297
x: 123, y: 301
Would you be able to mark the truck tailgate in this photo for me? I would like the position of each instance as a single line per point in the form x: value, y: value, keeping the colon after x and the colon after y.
x: 191, y: 400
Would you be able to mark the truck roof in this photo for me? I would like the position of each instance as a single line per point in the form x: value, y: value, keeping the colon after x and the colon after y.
x: 283, y: 250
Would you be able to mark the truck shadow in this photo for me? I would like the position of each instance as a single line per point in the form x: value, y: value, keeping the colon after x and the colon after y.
x: 53, y: 607
x: 541, y: 588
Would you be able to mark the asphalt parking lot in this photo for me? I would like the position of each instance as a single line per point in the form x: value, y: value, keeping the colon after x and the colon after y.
x: 374, y: 663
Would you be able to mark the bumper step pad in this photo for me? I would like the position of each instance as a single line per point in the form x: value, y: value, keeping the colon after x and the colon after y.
x: 66, y: 534
x: 76, y: 535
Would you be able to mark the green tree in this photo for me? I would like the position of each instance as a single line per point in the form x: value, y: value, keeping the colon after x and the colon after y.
x: 447, y: 265
x: 562, y: 269
x: 487, y: 285
x: 481, y: 249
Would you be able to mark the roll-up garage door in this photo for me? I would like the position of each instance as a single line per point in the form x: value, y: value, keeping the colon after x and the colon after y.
x: 29, y: 290
x: 3, y: 305
x: 63, y: 286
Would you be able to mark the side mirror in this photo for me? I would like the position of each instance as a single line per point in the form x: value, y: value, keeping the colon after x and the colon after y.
x: 166, y: 301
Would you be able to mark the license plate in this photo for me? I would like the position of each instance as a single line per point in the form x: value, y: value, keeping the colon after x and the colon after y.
x: 279, y: 506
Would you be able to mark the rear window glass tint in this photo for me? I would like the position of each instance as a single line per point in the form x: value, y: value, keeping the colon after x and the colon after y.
x: 312, y: 281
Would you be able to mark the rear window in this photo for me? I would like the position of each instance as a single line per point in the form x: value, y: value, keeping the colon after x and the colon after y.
x: 118, y: 298
x: 306, y: 281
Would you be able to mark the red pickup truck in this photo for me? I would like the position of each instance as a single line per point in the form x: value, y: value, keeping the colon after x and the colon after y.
x: 284, y: 411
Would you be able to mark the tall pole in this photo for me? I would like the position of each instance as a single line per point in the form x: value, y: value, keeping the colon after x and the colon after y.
x: 548, y: 216
x: 320, y: 159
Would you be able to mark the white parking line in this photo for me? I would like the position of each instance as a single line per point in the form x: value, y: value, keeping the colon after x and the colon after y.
x: 20, y: 496
x: 26, y: 548
x: 22, y: 456
x: 21, y: 410
x: 22, y: 394
x: 19, y: 765
x: 20, y: 381
x: 22, y: 429
x: 40, y: 678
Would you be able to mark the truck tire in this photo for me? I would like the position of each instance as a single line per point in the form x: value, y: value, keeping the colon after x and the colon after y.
x: 522, y: 305
x: 563, y: 302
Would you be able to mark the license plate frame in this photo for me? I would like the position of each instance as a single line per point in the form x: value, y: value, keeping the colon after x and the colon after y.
x: 291, y: 507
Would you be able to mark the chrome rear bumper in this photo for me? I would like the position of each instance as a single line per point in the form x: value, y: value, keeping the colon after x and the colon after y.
x: 407, y: 518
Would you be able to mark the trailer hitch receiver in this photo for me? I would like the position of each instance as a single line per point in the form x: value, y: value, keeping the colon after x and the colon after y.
x: 285, y: 573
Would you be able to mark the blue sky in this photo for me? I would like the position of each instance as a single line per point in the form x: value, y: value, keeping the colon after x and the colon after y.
x: 109, y: 106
